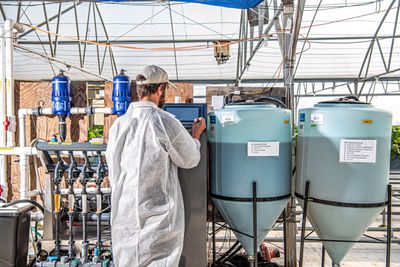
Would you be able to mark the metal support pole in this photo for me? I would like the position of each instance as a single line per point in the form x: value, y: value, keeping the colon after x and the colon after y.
x: 47, y: 21
x: 303, y: 223
x: 284, y: 238
x: 255, y: 243
x: 213, y: 232
x: 48, y: 29
x: 389, y: 226
x: 323, y: 257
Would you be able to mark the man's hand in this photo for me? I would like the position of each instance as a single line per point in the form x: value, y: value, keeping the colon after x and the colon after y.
x: 198, y: 128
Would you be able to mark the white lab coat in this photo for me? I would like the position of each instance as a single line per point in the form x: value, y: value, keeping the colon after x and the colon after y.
x: 146, y: 146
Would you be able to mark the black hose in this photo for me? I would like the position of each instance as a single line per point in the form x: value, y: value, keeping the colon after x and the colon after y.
x: 350, y: 97
x: 271, y: 100
x: 2, y: 200
x: 62, y: 128
x: 34, y: 203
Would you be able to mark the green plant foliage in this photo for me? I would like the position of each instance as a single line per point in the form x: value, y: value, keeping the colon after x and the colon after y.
x: 396, y: 141
x: 96, y: 131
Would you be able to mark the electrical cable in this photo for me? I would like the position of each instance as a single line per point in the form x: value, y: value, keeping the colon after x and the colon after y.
x: 34, y: 203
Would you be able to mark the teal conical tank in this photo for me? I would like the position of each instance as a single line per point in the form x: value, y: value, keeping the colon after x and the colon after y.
x: 343, y: 150
x: 250, y: 143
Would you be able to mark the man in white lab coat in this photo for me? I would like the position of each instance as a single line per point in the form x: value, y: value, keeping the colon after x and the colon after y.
x: 146, y: 146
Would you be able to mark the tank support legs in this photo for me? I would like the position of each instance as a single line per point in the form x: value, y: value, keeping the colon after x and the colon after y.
x: 255, y: 243
x: 284, y: 238
x: 213, y: 233
x: 388, y: 229
x: 389, y: 226
x: 303, y: 223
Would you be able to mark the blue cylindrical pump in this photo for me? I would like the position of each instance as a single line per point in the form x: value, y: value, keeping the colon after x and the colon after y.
x: 121, y: 94
x: 61, y: 94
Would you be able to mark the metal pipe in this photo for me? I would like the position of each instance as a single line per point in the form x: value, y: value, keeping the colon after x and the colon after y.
x: 23, y: 152
x: 103, y: 216
x: 3, y: 140
x: 255, y: 243
x: 389, y: 226
x: 303, y: 223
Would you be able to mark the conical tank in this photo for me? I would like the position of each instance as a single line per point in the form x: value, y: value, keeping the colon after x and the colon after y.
x: 343, y: 150
x: 250, y: 143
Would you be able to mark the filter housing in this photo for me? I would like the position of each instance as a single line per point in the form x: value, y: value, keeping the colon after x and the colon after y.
x: 121, y: 94
x: 61, y: 94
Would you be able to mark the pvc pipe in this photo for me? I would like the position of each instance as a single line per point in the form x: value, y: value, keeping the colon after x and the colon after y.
x: 16, y: 151
x: 9, y: 26
x: 23, y: 161
x: 102, y: 110
x: 89, y: 190
x: 3, y: 140
x: 84, y: 110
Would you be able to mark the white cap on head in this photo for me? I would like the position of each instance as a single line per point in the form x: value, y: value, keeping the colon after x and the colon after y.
x: 154, y: 75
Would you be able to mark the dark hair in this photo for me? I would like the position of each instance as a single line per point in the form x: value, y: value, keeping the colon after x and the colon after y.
x: 147, y: 89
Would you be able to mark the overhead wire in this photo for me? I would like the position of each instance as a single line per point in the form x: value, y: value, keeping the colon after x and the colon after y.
x: 44, y: 49
x: 306, y: 38
x: 192, y: 48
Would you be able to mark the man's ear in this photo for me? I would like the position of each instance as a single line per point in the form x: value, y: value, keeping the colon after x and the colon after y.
x: 160, y: 90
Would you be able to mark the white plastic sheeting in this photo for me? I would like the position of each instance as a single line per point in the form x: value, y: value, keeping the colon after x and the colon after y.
x: 328, y: 52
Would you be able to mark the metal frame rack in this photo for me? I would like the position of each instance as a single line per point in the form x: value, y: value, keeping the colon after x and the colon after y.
x: 303, y: 238
x: 236, y: 247
x: 71, y: 172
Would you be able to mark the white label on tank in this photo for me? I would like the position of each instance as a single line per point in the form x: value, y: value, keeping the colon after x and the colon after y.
x: 263, y: 149
x: 361, y: 151
x: 317, y: 117
x: 227, y: 118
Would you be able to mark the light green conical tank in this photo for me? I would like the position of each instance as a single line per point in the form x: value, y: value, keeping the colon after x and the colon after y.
x: 250, y: 143
x: 343, y: 150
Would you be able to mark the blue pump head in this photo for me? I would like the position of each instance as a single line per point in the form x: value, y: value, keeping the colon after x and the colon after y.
x: 121, y: 94
x: 61, y: 94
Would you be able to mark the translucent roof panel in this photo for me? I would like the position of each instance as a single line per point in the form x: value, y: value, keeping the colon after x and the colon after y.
x: 333, y: 41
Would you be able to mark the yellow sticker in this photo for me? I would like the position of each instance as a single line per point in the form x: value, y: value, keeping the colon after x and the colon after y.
x: 368, y: 121
x: 6, y: 148
x: 286, y: 121
x: 53, y: 143
x: 97, y: 143
x: 66, y: 143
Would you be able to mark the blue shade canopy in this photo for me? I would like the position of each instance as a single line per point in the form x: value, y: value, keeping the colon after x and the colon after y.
x: 243, y: 4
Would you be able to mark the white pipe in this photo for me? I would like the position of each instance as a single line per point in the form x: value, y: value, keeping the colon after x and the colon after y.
x: 23, y: 160
x: 16, y: 151
x: 102, y: 110
x: 95, y: 111
x: 3, y: 140
x: 89, y: 190
x: 9, y: 26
